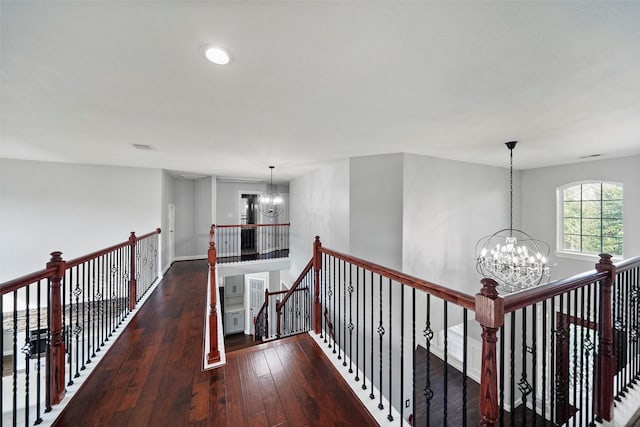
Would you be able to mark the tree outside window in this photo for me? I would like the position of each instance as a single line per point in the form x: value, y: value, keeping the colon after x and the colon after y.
x: 592, y: 218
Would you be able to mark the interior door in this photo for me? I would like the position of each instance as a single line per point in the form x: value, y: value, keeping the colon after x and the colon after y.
x: 256, y: 298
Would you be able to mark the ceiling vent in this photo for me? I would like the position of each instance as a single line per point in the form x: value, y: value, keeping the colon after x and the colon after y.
x: 142, y: 147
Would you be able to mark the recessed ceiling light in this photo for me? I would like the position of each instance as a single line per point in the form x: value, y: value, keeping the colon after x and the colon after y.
x: 217, y: 55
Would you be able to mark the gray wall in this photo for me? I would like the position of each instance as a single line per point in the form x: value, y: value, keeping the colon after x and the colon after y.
x: 376, y: 209
x: 539, y: 214
x: 319, y: 206
x: 448, y: 207
x: 193, y: 201
x: 73, y: 208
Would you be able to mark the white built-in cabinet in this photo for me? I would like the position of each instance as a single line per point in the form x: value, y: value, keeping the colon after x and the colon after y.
x: 233, y: 304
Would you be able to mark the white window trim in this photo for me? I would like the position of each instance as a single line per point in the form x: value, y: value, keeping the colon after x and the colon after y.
x: 560, y: 251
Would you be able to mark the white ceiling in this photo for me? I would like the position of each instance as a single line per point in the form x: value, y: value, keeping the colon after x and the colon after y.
x: 314, y: 81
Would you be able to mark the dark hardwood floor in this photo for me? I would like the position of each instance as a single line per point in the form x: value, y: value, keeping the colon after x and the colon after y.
x: 153, y: 374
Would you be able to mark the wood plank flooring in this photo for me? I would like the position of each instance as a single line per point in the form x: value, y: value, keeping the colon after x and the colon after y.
x: 153, y: 376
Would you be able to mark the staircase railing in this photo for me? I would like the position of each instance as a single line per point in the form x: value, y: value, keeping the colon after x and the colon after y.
x: 286, y: 313
x: 554, y: 354
x: 250, y: 242
x: 58, y: 319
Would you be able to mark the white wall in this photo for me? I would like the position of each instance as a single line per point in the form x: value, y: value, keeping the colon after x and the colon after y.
x: 73, y: 208
x: 376, y: 209
x: 539, y: 204
x: 319, y: 206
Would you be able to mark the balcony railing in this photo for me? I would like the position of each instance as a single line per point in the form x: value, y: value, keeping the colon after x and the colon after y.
x: 555, y: 354
x: 56, y: 321
x: 251, y: 242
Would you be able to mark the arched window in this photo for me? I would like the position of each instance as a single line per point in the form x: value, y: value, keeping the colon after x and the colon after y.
x: 590, y: 218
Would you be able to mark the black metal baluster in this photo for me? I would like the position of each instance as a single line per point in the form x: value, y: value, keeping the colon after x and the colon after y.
x: 85, y: 308
x: 588, y: 347
x: 325, y: 304
x: 534, y: 360
x: 428, y: 336
x: 502, y: 376
x: 68, y: 324
x: 573, y: 297
x: 364, y: 328
x: 523, y: 385
x: 464, y: 367
x: 446, y: 364
x: 552, y: 376
x: 94, y: 312
x: 513, y: 369
x: 341, y: 305
x: 357, y: 323
x: 335, y: 295
x: 401, y: 406
x: 371, y: 396
x: 390, y: 417
x: 40, y: 343
x: 380, y: 335
x: 413, y: 352
x: 47, y: 389
x: 583, y: 389
x: 14, y: 382
x: 26, y: 350
x: 598, y: 360
x: 76, y: 331
x: 351, y: 325
x: 544, y: 362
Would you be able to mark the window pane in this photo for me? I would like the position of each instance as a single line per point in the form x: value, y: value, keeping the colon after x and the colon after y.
x: 612, y: 228
x: 572, y: 193
x: 572, y: 209
x: 591, y: 244
x: 612, y: 209
x: 571, y: 243
x: 591, y: 227
x: 572, y: 226
x: 591, y: 191
x: 612, y: 246
x: 591, y: 209
x: 611, y: 191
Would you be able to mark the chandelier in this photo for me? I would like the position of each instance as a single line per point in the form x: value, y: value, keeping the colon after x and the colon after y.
x: 271, y: 203
x: 511, y: 257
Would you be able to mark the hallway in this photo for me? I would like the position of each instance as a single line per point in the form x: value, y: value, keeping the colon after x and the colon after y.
x: 153, y: 373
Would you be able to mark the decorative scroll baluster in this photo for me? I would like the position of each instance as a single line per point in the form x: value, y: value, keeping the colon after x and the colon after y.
x: 428, y: 336
x: 350, y: 326
x: 380, y: 335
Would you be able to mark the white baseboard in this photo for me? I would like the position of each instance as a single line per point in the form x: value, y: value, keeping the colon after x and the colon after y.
x: 190, y: 257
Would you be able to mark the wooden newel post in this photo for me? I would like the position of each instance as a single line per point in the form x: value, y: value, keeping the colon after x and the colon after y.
x: 133, y: 283
x: 490, y: 315
x: 56, y: 367
x: 214, y: 352
x: 317, y: 266
x: 607, y: 360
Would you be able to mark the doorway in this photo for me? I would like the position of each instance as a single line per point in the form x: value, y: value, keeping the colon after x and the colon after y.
x: 248, y: 215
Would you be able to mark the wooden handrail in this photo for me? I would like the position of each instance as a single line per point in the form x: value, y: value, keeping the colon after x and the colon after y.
x: 249, y: 225
x: 450, y: 295
x: 293, y: 287
x: 20, y: 282
x: 627, y: 264
x: 527, y: 297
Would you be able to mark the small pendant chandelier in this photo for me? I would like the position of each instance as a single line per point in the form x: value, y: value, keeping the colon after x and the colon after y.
x: 271, y: 203
x: 510, y: 256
